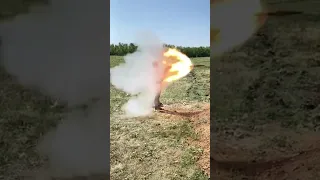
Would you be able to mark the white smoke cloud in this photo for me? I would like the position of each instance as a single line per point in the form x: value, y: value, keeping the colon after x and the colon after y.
x: 79, y: 146
x: 237, y: 22
x: 137, y: 76
x: 62, y: 50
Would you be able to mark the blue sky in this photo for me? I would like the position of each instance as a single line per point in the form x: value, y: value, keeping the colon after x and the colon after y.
x: 177, y: 22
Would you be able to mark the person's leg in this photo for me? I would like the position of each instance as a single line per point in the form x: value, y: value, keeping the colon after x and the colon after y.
x: 157, y: 104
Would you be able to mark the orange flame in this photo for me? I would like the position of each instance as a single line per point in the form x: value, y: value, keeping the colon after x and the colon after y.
x: 177, y: 65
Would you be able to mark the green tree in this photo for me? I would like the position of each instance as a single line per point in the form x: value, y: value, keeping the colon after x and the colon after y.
x: 122, y: 49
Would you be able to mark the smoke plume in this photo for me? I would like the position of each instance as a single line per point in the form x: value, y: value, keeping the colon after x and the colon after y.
x: 236, y: 21
x: 138, y: 77
x: 62, y: 50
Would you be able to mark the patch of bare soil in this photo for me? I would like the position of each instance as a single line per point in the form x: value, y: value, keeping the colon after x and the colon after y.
x: 200, y: 119
x: 233, y: 160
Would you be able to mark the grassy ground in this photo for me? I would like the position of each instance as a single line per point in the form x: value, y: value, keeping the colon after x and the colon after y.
x: 266, y: 103
x: 11, y: 8
x: 155, y: 147
x: 25, y: 116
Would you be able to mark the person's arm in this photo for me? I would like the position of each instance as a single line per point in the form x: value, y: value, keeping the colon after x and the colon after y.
x: 156, y: 68
x: 166, y: 72
x: 155, y: 64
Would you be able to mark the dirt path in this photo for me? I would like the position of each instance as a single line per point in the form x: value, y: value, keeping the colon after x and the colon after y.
x: 301, y: 163
x: 200, y: 119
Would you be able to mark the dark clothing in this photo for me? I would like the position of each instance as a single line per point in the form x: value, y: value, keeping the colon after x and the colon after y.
x: 157, y: 103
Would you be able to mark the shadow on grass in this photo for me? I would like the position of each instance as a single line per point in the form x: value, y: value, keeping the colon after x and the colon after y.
x: 177, y: 113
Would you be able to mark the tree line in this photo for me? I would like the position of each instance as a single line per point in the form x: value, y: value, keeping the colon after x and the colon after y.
x: 122, y: 49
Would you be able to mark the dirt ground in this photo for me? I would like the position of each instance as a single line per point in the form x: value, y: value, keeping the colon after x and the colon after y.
x: 200, y: 119
x: 266, y: 104
x: 243, y: 160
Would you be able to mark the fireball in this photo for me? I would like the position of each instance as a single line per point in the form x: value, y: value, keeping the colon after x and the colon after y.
x: 177, y: 63
x: 233, y: 22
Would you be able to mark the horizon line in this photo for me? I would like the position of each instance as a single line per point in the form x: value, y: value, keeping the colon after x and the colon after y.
x: 163, y: 43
